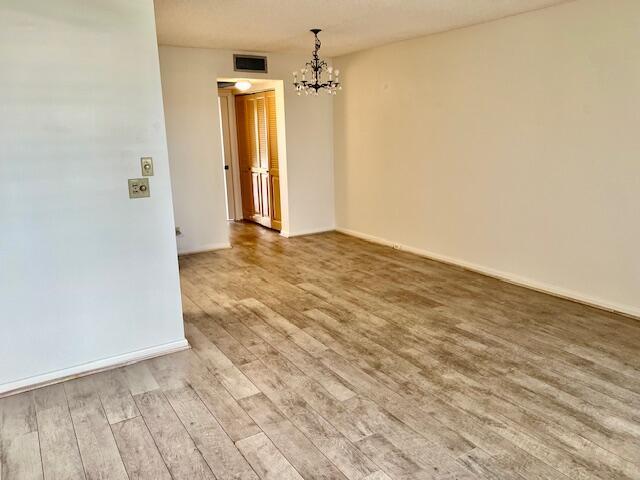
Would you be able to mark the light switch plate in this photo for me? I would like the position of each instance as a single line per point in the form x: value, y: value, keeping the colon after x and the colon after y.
x: 139, y: 188
x: 147, y: 166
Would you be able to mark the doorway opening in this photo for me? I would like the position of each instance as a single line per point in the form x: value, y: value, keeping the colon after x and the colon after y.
x: 253, y: 143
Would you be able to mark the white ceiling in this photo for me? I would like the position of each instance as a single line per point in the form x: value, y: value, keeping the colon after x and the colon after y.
x: 348, y: 25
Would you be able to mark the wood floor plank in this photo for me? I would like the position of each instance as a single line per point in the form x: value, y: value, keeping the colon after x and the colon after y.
x: 57, y: 437
x: 216, y: 446
x: 98, y: 450
x: 51, y: 396
x: 21, y: 458
x: 224, y: 407
x: 141, y: 458
x: 20, y: 455
x: 139, y: 378
x: 315, y: 370
x: 209, y: 318
x: 115, y: 395
x: 236, y: 382
x: 388, y: 398
x: 318, y: 430
x: 278, y: 322
x: 177, y: 370
x: 174, y: 443
x: 17, y: 415
x: 297, y: 448
x: 265, y: 458
x: 386, y: 455
x: 211, y: 355
x: 379, y: 475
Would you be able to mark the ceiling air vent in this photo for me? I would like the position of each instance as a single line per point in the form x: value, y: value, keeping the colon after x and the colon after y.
x: 249, y: 63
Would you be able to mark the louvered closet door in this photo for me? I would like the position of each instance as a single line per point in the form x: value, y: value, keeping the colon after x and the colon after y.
x: 258, y: 152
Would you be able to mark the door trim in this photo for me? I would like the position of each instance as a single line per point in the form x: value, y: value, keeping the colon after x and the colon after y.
x: 235, y: 164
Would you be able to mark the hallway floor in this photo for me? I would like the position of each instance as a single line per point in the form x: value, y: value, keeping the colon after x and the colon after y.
x: 327, y: 357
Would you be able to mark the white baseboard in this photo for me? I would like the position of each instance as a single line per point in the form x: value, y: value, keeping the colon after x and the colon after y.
x: 205, y: 248
x: 504, y: 276
x: 57, y: 376
x: 300, y: 233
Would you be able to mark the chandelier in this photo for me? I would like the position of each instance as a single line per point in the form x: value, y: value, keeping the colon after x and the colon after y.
x: 316, y: 70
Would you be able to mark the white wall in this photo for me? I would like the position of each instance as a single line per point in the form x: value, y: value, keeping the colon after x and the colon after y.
x: 88, y: 277
x: 511, y: 147
x: 190, y: 98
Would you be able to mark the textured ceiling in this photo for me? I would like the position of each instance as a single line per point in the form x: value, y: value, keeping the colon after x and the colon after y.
x: 348, y: 25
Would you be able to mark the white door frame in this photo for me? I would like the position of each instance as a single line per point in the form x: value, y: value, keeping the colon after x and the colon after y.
x: 230, y: 131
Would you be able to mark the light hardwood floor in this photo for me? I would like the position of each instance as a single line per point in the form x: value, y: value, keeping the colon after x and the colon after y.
x: 326, y: 357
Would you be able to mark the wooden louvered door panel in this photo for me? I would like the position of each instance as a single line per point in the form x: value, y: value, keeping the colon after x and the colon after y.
x: 258, y: 153
x: 244, y: 156
x: 255, y: 133
x: 274, y: 167
x: 261, y: 171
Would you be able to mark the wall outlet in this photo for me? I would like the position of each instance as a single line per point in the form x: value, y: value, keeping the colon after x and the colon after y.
x: 139, y: 188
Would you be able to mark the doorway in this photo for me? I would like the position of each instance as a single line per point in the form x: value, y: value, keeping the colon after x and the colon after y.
x: 250, y: 126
